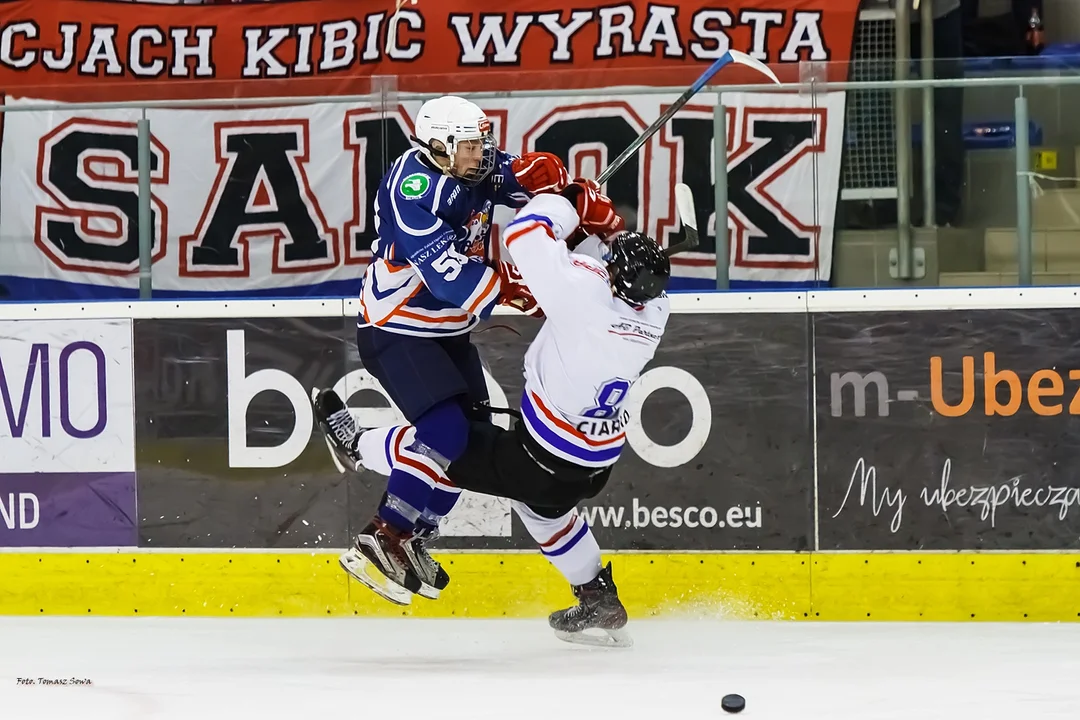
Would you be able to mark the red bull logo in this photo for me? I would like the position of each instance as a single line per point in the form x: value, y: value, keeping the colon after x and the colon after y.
x: 476, y: 240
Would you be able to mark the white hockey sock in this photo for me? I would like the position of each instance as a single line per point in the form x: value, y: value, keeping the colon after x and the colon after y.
x: 374, y: 447
x: 567, y: 542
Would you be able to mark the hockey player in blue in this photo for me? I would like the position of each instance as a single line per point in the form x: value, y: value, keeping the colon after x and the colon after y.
x: 431, y: 280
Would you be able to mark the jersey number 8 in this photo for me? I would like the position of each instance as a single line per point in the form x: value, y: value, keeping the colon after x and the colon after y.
x: 611, y: 395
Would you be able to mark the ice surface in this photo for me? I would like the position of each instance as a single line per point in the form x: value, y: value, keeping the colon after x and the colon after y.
x: 203, y: 669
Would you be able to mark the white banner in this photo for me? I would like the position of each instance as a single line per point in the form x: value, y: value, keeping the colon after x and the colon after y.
x: 784, y: 153
x: 278, y: 201
x: 66, y: 396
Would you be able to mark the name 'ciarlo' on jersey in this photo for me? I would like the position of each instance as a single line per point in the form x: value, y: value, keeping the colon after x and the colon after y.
x: 591, y: 348
x: 428, y: 275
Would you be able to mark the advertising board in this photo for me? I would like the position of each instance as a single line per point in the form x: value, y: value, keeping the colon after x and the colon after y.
x: 719, y: 451
x: 948, y: 430
x: 67, y: 441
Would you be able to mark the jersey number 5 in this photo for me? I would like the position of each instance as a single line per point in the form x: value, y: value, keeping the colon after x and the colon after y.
x: 608, y: 399
x: 449, y: 264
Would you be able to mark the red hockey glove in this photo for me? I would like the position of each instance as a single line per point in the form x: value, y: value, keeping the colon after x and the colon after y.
x: 581, y: 234
x: 595, y: 209
x: 515, y: 293
x: 540, y: 172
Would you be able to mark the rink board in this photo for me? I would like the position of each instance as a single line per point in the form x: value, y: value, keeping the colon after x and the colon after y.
x: 819, y: 586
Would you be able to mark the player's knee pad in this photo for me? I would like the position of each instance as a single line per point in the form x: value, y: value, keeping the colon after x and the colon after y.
x: 445, y: 429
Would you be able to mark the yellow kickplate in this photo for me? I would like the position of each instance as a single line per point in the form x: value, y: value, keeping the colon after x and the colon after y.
x: 792, y: 586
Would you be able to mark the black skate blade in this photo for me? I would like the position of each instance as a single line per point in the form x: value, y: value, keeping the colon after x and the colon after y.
x: 360, y: 569
x: 602, y: 638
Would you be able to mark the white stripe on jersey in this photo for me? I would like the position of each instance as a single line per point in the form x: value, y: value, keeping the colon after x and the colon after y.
x: 384, y: 292
x: 384, y: 302
x: 414, y: 329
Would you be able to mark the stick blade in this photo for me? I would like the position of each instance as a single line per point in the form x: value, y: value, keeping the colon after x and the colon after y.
x: 684, y: 204
x: 744, y: 59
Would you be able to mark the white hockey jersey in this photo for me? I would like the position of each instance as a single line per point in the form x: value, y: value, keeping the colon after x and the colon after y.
x: 592, y: 346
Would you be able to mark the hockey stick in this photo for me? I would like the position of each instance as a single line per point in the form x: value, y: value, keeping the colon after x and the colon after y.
x: 399, y: 5
x: 684, y: 203
x: 731, y: 56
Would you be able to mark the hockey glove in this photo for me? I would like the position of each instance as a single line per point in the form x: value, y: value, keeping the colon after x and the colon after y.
x: 515, y: 293
x: 581, y: 234
x: 540, y: 172
x: 595, y: 209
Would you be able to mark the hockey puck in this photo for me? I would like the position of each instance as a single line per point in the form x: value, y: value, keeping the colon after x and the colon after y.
x: 733, y: 703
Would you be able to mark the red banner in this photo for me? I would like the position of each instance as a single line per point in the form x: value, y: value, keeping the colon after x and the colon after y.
x: 97, y: 50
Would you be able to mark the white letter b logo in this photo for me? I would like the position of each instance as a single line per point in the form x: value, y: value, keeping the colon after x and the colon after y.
x: 241, y: 389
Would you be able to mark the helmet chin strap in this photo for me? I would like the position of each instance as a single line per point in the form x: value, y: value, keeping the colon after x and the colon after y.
x: 437, y: 153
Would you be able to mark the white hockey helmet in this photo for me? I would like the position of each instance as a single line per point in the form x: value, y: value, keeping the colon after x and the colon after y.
x: 452, y: 120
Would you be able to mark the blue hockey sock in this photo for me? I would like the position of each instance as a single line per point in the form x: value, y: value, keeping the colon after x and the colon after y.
x: 419, y: 467
x: 445, y: 429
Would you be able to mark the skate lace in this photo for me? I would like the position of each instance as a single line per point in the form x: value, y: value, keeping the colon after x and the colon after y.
x: 430, y: 567
x: 575, y: 612
x: 343, y: 426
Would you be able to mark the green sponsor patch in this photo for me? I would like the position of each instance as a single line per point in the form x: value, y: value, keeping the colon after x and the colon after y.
x: 415, y: 185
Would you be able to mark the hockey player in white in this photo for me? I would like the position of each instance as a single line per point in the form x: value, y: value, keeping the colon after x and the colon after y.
x: 606, y: 314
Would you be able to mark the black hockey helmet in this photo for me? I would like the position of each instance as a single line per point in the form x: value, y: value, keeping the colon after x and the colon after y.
x: 638, y: 267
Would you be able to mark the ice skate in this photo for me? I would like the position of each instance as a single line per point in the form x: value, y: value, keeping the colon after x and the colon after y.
x: 433, y: 577
x: 379, y: 559
x: 338, y: 428
x: 600, y: 609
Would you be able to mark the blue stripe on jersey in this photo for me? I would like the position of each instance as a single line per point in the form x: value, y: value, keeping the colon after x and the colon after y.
x: 574, y: 541
x: 526, y: 218
x: 562, y: 444
x: 389, y: 456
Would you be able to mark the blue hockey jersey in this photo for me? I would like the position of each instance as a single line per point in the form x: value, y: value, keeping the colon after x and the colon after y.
x: 428, y: 275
